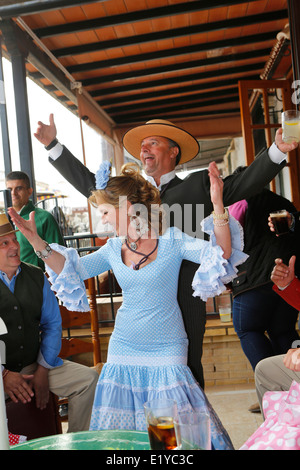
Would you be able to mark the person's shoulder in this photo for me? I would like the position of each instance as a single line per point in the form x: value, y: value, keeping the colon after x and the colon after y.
x: 269, y: 197
x: 32, y: 270
x: 44, y: 213
x: 172, y: 233
x: 196, y: 175
x: 112, y: 242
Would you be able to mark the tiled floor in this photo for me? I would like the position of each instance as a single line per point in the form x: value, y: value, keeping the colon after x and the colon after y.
x: 231, y: 403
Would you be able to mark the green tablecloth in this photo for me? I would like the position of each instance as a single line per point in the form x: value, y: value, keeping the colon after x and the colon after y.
x: 90, y: 440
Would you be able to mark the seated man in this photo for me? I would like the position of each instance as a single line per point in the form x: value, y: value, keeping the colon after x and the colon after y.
x: 278, y: 372
x: 31, y: 314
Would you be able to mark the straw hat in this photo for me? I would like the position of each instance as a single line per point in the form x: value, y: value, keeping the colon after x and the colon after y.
x: 5, y: 226
x: 133, y: 138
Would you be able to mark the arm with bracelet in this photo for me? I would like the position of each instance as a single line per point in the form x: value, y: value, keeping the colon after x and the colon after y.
x: 43, y: 250
x: 220, y: 214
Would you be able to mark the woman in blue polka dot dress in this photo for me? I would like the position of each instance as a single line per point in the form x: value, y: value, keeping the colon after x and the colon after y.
x: 147, y: 355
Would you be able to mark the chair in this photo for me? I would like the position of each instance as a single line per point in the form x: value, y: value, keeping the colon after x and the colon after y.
x: 71, y: 319
x: 71, y: 346
x: 28, y: 420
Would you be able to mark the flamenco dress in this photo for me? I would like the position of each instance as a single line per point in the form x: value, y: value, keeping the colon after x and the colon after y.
x: 147, y: 354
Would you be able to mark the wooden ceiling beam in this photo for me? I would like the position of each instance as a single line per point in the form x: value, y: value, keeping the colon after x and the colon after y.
x: 179, y: 66
x: 36, y: 57
x: 176, y: 100
x: 31, y: 7
x: 215, y: 73
x: 170, y: 91
x: 172, y: 33
x: 79, y: 68
x: 134, y: 16
x: 177, y: 108
x: 168, y: 81
x: 131, y: 120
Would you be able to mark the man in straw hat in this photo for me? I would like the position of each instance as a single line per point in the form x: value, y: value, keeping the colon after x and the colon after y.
x: 161, y: 145
x: 31, y: 314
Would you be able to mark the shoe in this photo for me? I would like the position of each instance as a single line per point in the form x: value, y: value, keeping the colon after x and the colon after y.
x: 255, y: 408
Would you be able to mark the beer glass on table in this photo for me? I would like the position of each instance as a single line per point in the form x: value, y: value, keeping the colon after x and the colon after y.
x: 192, y: 431
x: 160, y: 415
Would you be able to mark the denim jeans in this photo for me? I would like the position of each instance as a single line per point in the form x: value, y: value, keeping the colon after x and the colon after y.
x: 264, y: 323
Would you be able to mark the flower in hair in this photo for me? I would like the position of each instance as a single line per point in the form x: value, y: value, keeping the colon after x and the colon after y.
x: 103, y: 174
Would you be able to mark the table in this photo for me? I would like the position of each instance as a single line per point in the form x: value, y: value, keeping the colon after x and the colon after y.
x: 90, y: 440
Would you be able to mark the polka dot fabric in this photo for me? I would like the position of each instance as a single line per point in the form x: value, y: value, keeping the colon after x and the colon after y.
x: 14, y: 439
x: 147, y: 354
x: 281, y: 428
x: 122, y: 391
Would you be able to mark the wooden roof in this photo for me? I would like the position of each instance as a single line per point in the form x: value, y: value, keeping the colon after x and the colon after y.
x: 139, y: 60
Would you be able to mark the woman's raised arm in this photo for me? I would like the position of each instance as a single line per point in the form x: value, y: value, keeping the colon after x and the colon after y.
x: 220, y: 216
x: 54, y: 260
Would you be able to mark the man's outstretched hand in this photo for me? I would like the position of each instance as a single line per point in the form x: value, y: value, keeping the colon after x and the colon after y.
x: 45, y: 133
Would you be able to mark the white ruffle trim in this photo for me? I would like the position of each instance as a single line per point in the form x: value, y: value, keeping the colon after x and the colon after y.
x: 215, y: 271
x: 68, y: 285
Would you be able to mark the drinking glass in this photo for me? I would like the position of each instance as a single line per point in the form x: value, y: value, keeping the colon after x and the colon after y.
x: 291, y: 126
x: 193, y: 431
x: 225, y: 314
x: 160, y: 415
x: 280, y: 221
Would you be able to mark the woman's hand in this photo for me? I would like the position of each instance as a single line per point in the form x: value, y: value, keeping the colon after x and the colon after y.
x: 221, y: 226
x: 56, y: 261
x: 26, y: 227
x: 216, y: 187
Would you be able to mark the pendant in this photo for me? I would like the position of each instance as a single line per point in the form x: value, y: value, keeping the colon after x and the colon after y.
x: 133, y: 246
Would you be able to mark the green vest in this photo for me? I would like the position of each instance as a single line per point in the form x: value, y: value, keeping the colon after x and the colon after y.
x: 21, y: 313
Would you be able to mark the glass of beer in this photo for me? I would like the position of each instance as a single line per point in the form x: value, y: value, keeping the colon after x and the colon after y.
x: 290, y: 126
x: 192, y: 431
x: 280, y: 221
x: 160, y: 415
